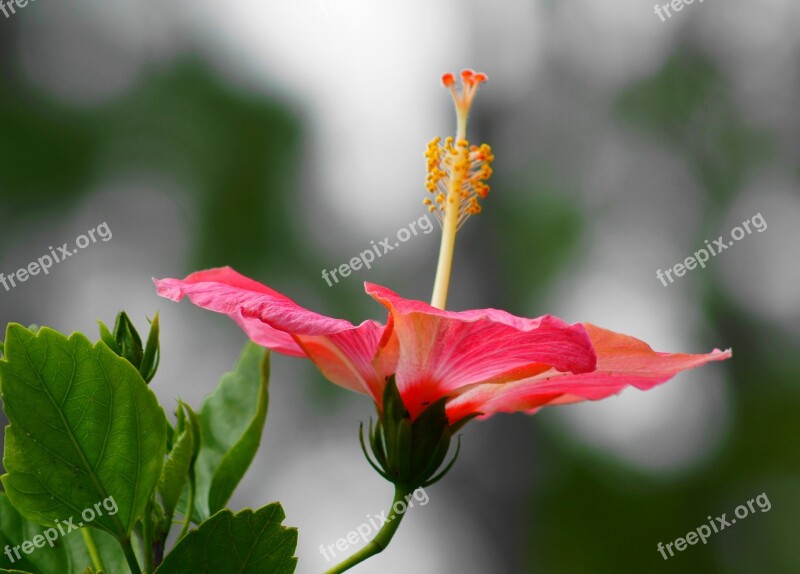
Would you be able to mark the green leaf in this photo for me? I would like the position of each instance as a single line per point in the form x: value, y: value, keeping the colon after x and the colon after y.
x: 176, y: 468
x: 32, y: 327
x: 68, y: 555
x: 244, y: 543
x: 110, y: 551
x: 84, y: 428
x: 232, y: 419
x: 14, y: 530
x: 4, y: 571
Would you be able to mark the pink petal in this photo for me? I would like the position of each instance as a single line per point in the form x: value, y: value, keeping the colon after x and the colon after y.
x: 441, y: 351
x: 622, y: 361
x: 341, y: 350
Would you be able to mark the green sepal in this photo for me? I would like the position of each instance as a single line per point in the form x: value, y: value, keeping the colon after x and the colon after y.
x: 431, y: 436
x: 377, y: 445
x: 405, y: 452
x: 152, y: 352
x: 377, y: 466
x: 107, y: 337
x: 446, y: 469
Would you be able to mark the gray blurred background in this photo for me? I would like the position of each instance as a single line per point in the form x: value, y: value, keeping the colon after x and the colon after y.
x: 281, y: 138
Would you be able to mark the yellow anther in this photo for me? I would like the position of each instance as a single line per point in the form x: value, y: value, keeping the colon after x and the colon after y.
x: 457, y: 173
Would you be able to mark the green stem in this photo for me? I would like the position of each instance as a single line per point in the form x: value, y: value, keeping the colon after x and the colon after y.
x: 130, y: 556
x: 94, y: 554
x: 381, y: 540
x: 147, y: 537
x: 187, y: 519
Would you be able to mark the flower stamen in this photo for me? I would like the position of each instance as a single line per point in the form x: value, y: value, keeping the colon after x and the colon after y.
x: 457, y: 175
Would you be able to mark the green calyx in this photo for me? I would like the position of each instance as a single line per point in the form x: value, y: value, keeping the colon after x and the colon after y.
x: 409, y: 454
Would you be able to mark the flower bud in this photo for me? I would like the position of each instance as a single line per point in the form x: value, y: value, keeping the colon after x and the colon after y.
x: 126, y: 343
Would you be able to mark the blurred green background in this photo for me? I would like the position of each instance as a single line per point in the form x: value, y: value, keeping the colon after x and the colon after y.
x: 622, y: 143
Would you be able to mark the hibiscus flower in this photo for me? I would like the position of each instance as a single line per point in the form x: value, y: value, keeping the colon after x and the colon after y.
x: 430, y: 370
x: 482, y: 361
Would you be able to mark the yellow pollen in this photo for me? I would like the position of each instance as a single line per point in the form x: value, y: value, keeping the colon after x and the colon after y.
x: 457, y: 173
